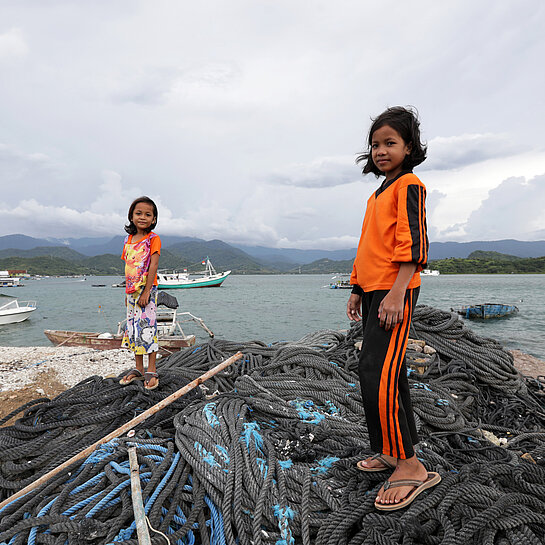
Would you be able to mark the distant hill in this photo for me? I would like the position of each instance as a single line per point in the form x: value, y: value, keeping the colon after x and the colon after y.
x: 518, y: 248
x: 495, y: 265
x: 223, y: 256
x: 326, y: 266
x: 45, y: 265
x: 292, y: 255
x: 491, y: 256
x: 188, y: 252
x: 22, y: 242
x: 54, y: 251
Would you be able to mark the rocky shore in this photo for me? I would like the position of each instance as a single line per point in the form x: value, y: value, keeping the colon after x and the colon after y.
x: 28, y: 373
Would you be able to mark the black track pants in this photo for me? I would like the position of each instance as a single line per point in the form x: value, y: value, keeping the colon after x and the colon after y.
x: 383, y: 378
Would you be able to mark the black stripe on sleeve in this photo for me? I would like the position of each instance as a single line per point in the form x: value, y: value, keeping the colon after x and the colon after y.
x: 415, y: 214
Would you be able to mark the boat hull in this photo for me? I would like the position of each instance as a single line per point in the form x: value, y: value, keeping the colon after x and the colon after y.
x: 196, y: 283
x: 15, y: 317
x: 167, y: 345
x: 488, y: 311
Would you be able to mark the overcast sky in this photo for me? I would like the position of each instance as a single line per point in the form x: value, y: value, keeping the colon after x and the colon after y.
x: 242, y: 119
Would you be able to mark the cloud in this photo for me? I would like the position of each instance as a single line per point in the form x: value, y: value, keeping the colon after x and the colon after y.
x: 16, y: 165
x: 323, y: 172
x: 299, y: 213
x: 13, y: 45
x: 454, y: 152
x: 203, y: 84
x: 514, y: 209
x: 320, y: 243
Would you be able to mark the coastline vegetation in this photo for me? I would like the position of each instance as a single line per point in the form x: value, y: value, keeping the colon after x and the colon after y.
x: 478, y: 262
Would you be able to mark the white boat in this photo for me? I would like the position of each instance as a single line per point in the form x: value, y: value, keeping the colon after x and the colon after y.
x: 14, y: 312
x: 340, y: 282
x: 7, y: 281
x: 174, y: 279
x: 429, y: 272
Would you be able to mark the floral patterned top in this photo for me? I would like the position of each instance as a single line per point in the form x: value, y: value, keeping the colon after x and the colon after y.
x: 137, y: 257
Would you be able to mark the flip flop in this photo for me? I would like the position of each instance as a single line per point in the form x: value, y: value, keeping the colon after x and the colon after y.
x: 148, y: 375
x: 381, y: 459
x: 138, y: 375
x: 419, y: 487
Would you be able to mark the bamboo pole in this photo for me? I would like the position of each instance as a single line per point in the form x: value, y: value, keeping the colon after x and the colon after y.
x: 125, y: 427
x: 137, y: 503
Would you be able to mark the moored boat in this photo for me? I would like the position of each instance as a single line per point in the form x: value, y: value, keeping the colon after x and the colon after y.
x: 7, y: 281
x: 486, y: 311
x: 170, y: 335
x: 429, y: 272
x: 208, y: 279
x: 340, y: 282
x: 14, y: 312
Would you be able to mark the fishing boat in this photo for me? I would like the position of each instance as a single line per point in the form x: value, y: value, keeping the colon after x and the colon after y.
x: 429, y: 272
x: 208, y: 279
x: 340, y: 282
x: 14, y: 312
x: 486, y: 311
x: 170, y: 334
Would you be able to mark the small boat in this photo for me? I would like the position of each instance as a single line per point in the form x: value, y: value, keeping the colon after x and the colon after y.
x: 7, y: 281
x: 429, y: 272
x: 171, y: 336
x: 486, y: 311
x: 98, y: 285
x: 14, y: 312
x: 340, y: 282
x: 208, y: 279
x: 121, y: 284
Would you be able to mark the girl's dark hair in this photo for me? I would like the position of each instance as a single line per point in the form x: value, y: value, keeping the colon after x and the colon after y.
x: 131, y: 228
x: 405, y: 122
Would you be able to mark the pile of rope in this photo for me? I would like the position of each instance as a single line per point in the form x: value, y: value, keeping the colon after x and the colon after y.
x: 266, y: 451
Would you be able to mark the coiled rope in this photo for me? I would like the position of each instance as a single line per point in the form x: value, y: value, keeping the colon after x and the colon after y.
x: 267, y: 454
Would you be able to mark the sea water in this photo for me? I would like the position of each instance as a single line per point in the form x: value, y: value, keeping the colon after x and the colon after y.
x: 273, y: 308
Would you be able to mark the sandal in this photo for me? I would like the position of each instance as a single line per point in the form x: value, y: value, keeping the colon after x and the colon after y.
x: 381, y: 459
x: 148, y: 375
x: 127, y: 379
x: 419, y: 486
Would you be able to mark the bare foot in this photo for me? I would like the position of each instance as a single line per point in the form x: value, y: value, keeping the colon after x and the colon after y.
x: 375, y: 463
x: 411, y: 469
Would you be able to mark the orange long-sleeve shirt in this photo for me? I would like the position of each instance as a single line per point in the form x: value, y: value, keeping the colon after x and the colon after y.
x: 394, y: 231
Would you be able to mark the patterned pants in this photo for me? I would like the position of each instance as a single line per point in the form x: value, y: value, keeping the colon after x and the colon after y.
x: 140, y: 335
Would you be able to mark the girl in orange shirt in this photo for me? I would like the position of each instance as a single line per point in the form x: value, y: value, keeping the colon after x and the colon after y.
x: 393, y: 248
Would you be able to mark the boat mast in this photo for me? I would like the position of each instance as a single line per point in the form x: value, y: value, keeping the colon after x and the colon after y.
x: 209, y: 267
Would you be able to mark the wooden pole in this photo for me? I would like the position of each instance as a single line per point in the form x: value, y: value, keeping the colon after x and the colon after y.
x: 125, y: 427
x: 137, y: 502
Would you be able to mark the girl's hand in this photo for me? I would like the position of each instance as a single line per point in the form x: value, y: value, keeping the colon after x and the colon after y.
x: 353, y: 307
x: 143, y: 300
x: 390, y: 310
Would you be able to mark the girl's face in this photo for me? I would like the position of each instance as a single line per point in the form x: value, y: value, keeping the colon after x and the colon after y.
x: 388, y: 151
x: 143, y: 217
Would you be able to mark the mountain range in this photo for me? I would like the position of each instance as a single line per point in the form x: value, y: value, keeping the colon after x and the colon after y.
x: 188, y: 252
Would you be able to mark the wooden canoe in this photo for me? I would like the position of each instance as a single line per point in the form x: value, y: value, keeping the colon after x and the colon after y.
x: 167, y: 344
